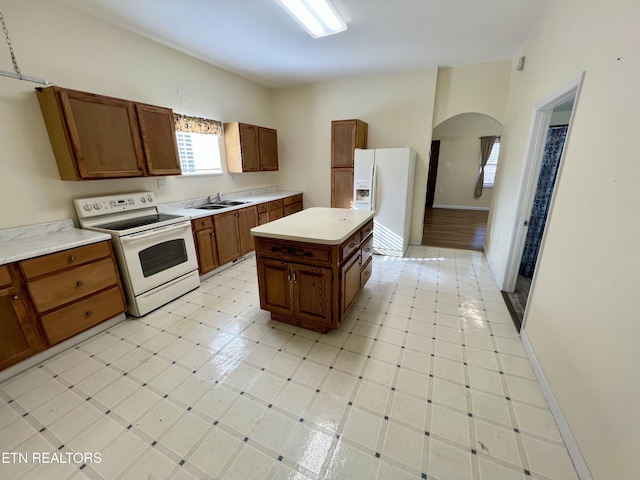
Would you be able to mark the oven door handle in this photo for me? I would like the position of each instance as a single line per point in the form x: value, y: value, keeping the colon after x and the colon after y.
x: 155, y: 231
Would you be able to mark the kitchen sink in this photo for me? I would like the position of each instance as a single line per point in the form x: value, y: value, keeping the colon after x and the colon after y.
x: 220, y: 205
x: 212, y: 207
x: 231, y: 203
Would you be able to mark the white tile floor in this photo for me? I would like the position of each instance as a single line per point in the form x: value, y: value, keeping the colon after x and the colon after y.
x: 427, y: 378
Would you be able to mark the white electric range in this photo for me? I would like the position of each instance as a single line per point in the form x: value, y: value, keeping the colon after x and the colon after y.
x: 155, y: 251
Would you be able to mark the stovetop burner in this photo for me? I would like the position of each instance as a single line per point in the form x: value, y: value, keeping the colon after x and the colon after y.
x: 137, y: 222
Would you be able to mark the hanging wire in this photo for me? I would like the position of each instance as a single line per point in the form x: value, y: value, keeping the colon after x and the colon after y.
x: 16, y: 69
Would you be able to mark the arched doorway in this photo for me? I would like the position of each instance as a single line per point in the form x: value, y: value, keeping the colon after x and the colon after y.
x: 454, y: 216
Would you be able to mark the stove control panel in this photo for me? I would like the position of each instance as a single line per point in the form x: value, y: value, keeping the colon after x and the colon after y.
x: 95, y: 206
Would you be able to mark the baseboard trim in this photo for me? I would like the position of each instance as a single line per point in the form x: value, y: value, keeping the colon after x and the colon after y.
x: 461, y: 207
x: 498, y: 278
x: 565, y: 430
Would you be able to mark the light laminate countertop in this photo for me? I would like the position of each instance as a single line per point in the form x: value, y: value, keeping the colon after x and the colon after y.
x: 325, y: 226
x: 193, y: 212
x: 33, y: 241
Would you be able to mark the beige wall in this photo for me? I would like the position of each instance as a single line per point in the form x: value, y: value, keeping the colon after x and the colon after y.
x: 459, y: 160
x: 398, y: 109
x: 582, y: 316
x: 78, y: 51
x: 480, y: 88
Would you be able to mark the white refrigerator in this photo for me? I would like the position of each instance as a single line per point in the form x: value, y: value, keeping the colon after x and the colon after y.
x: 383, y: 182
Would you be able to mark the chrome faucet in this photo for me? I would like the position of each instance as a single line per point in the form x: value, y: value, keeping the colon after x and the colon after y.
x: 214, y: 198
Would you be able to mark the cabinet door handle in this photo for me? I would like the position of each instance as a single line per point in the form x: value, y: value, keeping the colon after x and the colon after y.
x: 89, y: 313
x: 288, y: 275
x: 80, y: 283
x: 213, y: 234
x: 294, y: 277
x: 72, y: 258
x: 16, y: 297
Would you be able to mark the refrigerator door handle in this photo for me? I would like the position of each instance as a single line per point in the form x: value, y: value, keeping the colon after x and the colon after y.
x: 374, y: 186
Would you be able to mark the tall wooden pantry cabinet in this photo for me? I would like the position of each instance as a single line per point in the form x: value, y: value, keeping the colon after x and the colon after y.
x: 346, y: 136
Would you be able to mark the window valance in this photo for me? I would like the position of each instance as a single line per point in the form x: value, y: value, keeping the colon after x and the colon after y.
x: 185, y: 123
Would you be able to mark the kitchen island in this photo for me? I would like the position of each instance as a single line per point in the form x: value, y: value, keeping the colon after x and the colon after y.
x: 312, y: 265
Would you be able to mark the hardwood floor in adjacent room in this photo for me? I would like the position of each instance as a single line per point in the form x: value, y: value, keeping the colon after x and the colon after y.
x: 454, y: 228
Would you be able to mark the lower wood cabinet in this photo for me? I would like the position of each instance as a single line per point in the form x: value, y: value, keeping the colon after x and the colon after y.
x: 74, y: 290
x: 20, y: 338
x: 49, y: 299
x: 206, y: 244
x: 293, y: 289
x: 223, y: 237
x: 313, y: 285
x: 226, y: 236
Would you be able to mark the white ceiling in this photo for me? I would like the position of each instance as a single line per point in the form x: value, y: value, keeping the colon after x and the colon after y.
x: 258, y: 40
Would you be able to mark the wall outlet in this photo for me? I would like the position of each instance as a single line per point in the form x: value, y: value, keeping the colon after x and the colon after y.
x: 162, y: 183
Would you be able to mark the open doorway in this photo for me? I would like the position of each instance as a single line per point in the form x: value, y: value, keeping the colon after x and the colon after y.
x: 549, y: 133
x: 455, y: 215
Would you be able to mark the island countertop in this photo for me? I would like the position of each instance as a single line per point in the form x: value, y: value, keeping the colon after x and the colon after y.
x: 325, y: 226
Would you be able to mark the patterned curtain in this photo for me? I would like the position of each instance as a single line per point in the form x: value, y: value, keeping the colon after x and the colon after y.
x: 185, y: 123
x: 542, y: 200
x: 486, y: 145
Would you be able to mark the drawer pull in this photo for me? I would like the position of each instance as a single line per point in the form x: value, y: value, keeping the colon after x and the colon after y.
x: 367, y: 249
x: 352, y: 245
x: 72, y: 258
x: 366, y: 273
x: 295, y: 252
x: 16, y: 297
x: 89, y: 313
x: 80, y: 283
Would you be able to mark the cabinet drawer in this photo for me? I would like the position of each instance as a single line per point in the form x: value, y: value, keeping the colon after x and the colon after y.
x: 295, y: 251
x: 68, y: 258
x: 263, y: 218
x: 276, y: 214
x: 350, y: 245
x: 5, y: 278
x: 202, y: 223
x: 292, y: 199
x: 275, y: 204
x: 367, y: 249
x: 293, y: 208
x: 365, y: 272
x: 70, y: 285
x: 367, y: 229
x: 262, y: 207
x: 79, y: 316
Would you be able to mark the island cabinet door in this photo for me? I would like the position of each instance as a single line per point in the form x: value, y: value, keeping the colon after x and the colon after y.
x: 312, y: 294
x: 275, y: 282
x: 350, y: 274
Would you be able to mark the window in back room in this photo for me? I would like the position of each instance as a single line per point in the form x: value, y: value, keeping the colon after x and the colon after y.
x: 490, y: 167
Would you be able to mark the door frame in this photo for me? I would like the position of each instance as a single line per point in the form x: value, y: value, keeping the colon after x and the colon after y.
x: 528, y: 181
x: 432, y: 176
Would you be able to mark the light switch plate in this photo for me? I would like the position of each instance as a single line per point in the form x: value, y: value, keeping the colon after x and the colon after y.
x: 162, y: 183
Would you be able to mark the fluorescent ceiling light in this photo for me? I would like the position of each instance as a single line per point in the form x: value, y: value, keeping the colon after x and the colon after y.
x: 318, y: 17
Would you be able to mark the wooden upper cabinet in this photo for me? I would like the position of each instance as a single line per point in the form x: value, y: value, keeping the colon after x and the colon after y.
x: 250, y: 148
x: 159, y: 140
x: 97, y: 137
x: 346, y: 136
x: 268, y: 141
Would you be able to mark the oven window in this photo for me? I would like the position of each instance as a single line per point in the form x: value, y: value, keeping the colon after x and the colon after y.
x: 162, y: 256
